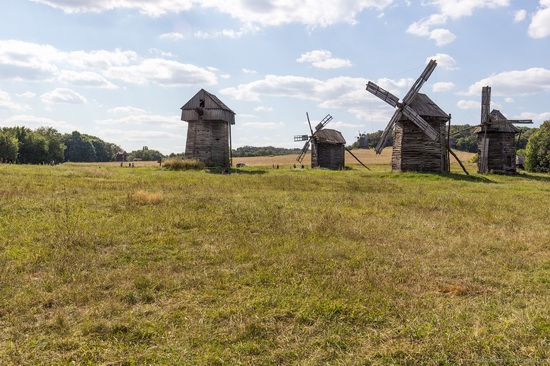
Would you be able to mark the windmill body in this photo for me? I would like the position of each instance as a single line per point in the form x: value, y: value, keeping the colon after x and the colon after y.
x: 328, y: 150
x: 413, y: 150
x: 209, y: 129
x: 362, y: 141
x: 418, y: 124
x: 327, y: 146
x: 496, y: 136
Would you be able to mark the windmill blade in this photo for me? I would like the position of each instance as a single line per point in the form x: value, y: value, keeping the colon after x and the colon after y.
x: 309, y: 123
x: 420, y: 81
x: 298, y: 138
x: 323, y: 122
x: 382, y: 142
x: 420, y: 122
x: 485, y: 105
x: 303, y: 152
x: 385, y: 95
x: 521, y: 121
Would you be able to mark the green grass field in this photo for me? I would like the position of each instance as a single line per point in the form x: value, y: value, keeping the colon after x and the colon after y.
x: 118, y: 266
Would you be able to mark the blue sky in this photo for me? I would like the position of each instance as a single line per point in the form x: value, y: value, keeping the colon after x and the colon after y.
x: 121, y: 69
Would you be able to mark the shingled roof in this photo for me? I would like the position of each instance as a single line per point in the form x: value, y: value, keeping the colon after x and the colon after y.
x: 328, y: 136
x: 426, y: 107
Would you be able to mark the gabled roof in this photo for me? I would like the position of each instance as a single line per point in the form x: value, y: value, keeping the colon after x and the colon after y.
x: 328, y: 136
x: 499, y: 123
x: 426, y: 107
x: 211, y: 102
x: 206, y: 106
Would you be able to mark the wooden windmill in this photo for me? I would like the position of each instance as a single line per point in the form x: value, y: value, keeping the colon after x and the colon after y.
x: 327, y: 146
x: 496, y: 136
x: 420, y: 142
x: 209, y: 130
x: 362, y: 141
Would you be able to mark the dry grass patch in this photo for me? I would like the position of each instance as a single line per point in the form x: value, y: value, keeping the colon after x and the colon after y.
x: 142, y: 197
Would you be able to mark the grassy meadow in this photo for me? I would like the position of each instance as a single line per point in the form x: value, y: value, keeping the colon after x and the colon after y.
x: 131, y: 266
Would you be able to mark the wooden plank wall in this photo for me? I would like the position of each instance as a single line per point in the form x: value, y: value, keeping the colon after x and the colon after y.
x: 414, y: 151
x: 208, y: 141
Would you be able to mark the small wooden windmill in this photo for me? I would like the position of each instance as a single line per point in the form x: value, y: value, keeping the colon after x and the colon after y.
x: 209, y: 129
x: 420, y: 142
x: 327, y: 146
x: 496, y: 136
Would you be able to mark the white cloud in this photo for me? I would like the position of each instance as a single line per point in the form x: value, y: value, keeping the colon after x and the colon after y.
x: 248, y: 71
x: 509, y: 100
x: 150, y: 8
x: 510, y: 83
x: 263, y: 125
x: 260, y: 13
x: 263, y: 109
x: 443, y: 60
x: 520, y: 15
x: 63, y: 96
x: 468, y: 104
x: 7, y: 103
x: 163, y: 72
x: 449, y: 9
x: 540, y: 23
x: 442, y: 36
x: 133, y: 117
x: 24, y: 61
x: 35, y: 122
x: 171, y: 36
x: 126, y: 110
x: 323, y: 59
x: 85, y: 78
x: 536, y: 117
x: 443, y: 86
x: 27, y: 94
x: 225, y: 33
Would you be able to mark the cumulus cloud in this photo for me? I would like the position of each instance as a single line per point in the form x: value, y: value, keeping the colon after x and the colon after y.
x: 62, y: 96
x: 540, y: 23
x: 323, y: 59
x: 250, y: 13
x: 443, y: 86
x: 520, y: 15
x: 135, y: 118
x: 171, y: 36
x: 511, y: 83
x: 263, y: 125
x: 468, y: 104
x: 126, y: 110
x: 443, y: 60
x: 25, y: 61
x: 449, y: 10
x: 7, y: 103
x: 35, y: 122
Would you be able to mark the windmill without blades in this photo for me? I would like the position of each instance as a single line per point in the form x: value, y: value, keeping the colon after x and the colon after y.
x: 496, y: 134
x: 327, y: 146
x: 362, y: 141
x: 420, y: 142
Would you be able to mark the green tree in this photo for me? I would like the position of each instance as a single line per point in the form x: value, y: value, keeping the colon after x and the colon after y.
x: 538, y: 150
x: 55, y: 147
x: 79, y: 148
x: 9, y: 148
x: 145, y: 155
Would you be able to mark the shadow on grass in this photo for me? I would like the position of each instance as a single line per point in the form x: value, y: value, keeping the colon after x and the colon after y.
x: 218, y: 170
x: 467, y: 178
x: 539, y: 177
